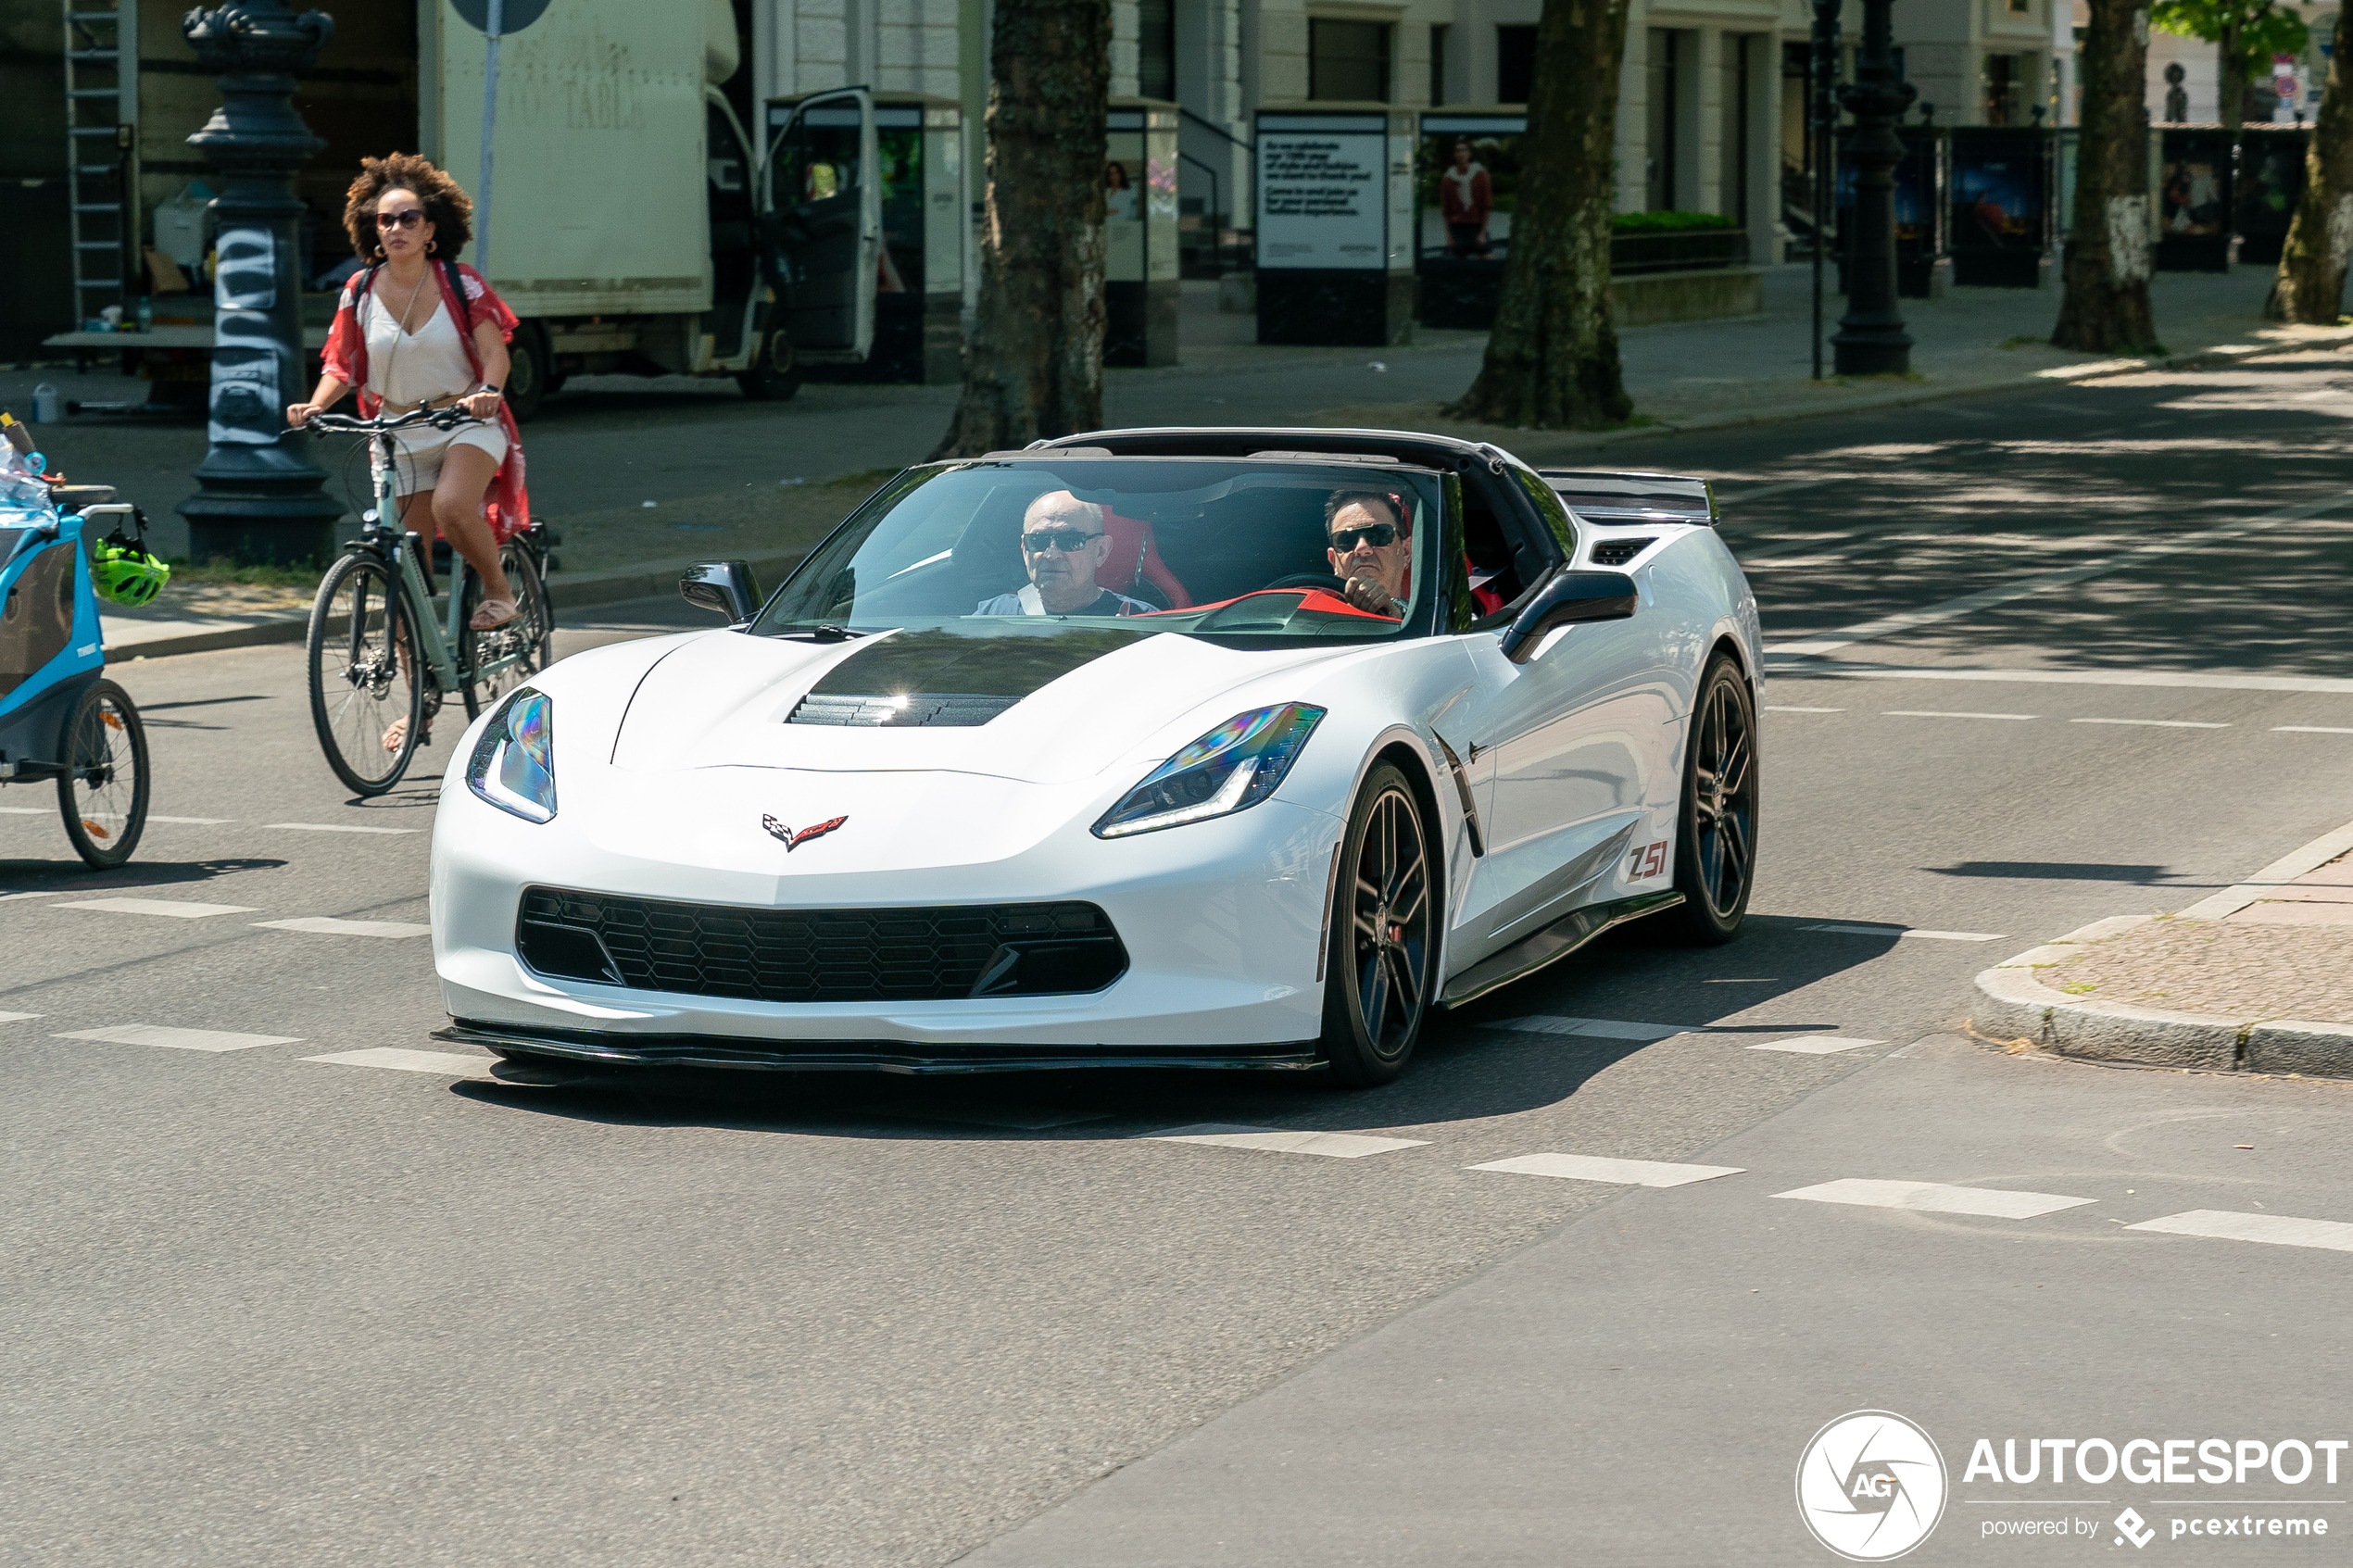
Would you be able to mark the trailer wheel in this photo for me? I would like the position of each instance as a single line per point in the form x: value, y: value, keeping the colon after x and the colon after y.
x: 775, y: 375
x: 529, y: 376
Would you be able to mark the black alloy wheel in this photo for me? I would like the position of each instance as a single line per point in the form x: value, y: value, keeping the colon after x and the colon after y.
x: 1716, y: 844
x: 1382, y: 950
x: 774, y: 375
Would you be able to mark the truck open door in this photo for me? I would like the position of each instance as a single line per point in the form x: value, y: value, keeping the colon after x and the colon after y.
x: 824, y: 220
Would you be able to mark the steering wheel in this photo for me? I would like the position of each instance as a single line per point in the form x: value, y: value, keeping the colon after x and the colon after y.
x: 1323, y: 580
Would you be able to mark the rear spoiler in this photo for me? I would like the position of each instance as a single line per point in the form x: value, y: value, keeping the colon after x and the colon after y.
x: 1608, y: 496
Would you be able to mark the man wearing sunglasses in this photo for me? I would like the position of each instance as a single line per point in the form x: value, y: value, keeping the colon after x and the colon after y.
x: 1371, y: 549
x: 1062, y: 544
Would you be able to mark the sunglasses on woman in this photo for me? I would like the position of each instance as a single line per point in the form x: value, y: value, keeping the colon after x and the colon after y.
x: 407, y: 218
x: 1069, y: 541
x: 1380, y: 536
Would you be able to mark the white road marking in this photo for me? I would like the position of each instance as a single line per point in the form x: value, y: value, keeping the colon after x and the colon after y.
x: 1935, y: 1198
x: 53, y: 893
x: 1339, y: 1145
x: 323, y: 925
x: 334, y: 827
x: 195, y: 822
x: 1597, y: 1028
x: 1769, y: 709
x: 1857, y: 929
x: 2154, y: 723
x: 1985, y: 598
x: 28, y: 811
x: 172, y: 906
x: 179, y: 1039
x: 16, y: 1017
x: 2279, y: 1230
x: 400, y: 1058
x: 2310, y: 730
x: 1934, y: 713
x: 2078, y: 677
x: 1623, y: 1173
x: 1816, y: 1045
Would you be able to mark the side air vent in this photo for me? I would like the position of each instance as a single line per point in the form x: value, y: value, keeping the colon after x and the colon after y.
x: 1617, y: 552
x: 950, y: 709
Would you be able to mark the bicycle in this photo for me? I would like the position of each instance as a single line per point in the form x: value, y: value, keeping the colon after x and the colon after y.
x: 376, y: 655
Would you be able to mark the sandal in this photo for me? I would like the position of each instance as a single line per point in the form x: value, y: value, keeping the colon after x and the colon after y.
x: 491, y: 614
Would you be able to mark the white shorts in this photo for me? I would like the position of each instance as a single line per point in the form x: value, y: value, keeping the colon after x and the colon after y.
x: 421, y: 450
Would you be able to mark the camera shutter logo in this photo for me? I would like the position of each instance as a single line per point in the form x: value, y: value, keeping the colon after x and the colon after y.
x: 1871, y: 1485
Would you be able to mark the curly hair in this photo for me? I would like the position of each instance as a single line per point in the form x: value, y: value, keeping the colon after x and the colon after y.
x: 448, y: 209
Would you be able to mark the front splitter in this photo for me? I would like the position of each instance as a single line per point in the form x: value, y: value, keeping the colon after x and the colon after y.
x: 860, y: 1056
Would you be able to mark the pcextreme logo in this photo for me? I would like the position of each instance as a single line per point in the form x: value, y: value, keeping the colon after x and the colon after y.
x: 1870, y: 1485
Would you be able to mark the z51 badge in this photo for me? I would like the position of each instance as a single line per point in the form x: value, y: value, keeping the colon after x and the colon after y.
x: 792, y: 840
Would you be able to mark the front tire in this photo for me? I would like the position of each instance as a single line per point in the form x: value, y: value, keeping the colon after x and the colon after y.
x: 1715, y: 835
x: 526, y: 642
x: 774, y: 375
x: 104, y: 790
x: 364, y: 674
x: 1377, y: 969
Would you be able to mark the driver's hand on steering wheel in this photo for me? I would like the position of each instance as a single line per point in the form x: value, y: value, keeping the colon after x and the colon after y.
x: 299, y: 414
x: 1366, y: 593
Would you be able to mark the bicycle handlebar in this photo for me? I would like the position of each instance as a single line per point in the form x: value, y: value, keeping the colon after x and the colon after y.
x: 447, y: 418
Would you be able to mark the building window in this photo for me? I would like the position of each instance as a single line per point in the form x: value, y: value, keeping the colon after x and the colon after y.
x: 1734, y: 142
x: 1514, y: 63
x: 1347, y: 60
x: 1665, y: 115
x: 2021, y: 8
x: 1156, y: 49
x: 1438, y: 63
x: 2001, y: 95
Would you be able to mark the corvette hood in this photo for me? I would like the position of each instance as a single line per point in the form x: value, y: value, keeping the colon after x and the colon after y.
x: 1043, y: 706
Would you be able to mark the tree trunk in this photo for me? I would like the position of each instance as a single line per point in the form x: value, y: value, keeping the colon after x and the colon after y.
x: 1552, y: 359
x: 2310, y: 285
x: 2106, y: 307
x: 1035, y: 366
x: 2230, y: 77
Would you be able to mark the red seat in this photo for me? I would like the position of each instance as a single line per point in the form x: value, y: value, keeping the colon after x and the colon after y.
x: 1134, y: 558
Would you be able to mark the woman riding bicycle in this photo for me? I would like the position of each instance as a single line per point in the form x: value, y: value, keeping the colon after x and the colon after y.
x: 415, y: 330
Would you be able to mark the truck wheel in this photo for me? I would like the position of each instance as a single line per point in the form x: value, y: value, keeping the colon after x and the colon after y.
x: 775, y: 375
x: 529, y: 374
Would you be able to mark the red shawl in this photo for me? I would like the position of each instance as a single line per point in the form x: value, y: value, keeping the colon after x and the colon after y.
x: 509, y: 507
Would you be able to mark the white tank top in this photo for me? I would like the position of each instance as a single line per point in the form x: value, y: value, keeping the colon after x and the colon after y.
x: 406, y: 369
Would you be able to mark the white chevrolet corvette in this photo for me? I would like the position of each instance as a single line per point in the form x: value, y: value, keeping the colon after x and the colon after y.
x: 1161, y: 748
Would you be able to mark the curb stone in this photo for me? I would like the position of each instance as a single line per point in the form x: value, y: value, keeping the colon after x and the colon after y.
x: 2013, y: 1004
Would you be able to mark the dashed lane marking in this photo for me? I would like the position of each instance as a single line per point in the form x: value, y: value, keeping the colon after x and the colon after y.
x: 16, y: 1017
x: 179, y: 1039
x: 1338, y: 1146
x: 2154, y: 723
x: 28, y: 811
x: 1596, y: 1028
x: 1769, y: 709
x: 1937, y: 713
x: 2310, y: 730
x: 322, y: 925
x: 1816, y: 1045
x: 400, y: 1059
x: 2279, y: 1230
x: 1935, y: 1198
x: 53, y: 893
x: 1855, y: 928
x: 195, y: 822
x: 334, y: 827
x: 176, y: 909
x: 1623, y: 1173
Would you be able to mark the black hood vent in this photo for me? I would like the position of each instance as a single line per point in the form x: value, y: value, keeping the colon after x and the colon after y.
x: 951, y: 678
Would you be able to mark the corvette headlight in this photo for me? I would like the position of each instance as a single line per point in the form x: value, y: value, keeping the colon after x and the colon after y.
x: 1236, y: 765
x: 513, y: 766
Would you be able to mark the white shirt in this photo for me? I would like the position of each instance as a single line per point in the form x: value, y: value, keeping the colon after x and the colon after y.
x: 407, y: 368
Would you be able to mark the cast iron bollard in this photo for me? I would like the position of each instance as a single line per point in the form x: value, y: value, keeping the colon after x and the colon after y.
x: 1872, y: 340
x: 261, y: 499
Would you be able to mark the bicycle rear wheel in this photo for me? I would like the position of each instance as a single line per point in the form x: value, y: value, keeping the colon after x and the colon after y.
x: 512, y: 654
x: 104, y: 790
x: 365, y: 674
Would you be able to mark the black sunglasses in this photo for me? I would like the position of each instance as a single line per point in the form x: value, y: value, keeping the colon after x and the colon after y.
x: 409, y: 217
x: 1069, y: 541
x: 1379, y: 536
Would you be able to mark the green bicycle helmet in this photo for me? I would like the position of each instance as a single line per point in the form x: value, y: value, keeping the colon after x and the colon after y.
x: 125, y: 574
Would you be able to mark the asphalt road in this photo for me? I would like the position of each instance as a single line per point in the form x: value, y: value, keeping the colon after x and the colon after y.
x: 269, y: 1308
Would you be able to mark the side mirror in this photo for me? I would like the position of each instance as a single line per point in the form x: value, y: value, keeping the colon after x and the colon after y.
x: 726, y: 586
x: 1566, y: 599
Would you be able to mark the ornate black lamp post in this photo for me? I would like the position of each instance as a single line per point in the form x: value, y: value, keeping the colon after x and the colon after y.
x: 261, y: 499
x: 1872, y: 340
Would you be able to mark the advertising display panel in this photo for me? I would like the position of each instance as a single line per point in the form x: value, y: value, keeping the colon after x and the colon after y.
x: 2000, y: 206
x: 2270, y: 180
x: 1921, y: 265
x: 2193, y: 201
x: 1466, y: 186
x: 1335, y: 224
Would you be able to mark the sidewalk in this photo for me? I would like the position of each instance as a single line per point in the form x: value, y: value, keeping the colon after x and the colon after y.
x: 2257, y: 978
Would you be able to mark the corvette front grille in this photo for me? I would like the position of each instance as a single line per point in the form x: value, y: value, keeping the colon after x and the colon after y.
x: 948, y: 709
x: 932, y: 953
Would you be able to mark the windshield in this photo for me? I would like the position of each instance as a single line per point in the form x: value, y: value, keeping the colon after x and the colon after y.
x: 1200, y: 545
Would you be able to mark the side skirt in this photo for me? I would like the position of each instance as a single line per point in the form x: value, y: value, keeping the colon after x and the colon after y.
x: 1554, y: 943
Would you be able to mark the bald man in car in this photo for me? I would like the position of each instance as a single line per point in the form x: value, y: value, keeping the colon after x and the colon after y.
x: 1062, y: 544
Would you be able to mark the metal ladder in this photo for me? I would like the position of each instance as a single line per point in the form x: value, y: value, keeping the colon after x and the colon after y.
x: 100, y: 128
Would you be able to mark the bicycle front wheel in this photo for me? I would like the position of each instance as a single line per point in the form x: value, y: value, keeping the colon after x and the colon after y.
x: 492, y: 663
x: 367, y: 686
x: 104, y: 789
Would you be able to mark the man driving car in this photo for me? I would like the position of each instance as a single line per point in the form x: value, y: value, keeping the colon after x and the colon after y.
x: 1371, y: 549
x: 1062, y: 544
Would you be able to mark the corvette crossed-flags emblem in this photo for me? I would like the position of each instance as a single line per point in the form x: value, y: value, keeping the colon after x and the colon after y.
x: 792, y: 840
